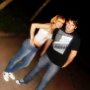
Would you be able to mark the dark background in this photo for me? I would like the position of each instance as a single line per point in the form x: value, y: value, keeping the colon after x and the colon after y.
x: 19, y: 13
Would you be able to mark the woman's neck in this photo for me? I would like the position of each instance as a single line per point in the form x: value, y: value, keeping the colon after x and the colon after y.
x: 52, y: 27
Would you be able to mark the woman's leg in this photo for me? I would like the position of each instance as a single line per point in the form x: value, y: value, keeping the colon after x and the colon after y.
x: 25, y: 61
x: 19, y: 56
x: 25, y: 49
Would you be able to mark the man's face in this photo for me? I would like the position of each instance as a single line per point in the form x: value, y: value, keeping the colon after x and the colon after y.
x: 70, y: 26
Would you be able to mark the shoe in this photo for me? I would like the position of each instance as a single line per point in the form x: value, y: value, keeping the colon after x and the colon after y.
x: 6, y: 76
x: 21, y: 81
x: 11, y: 75
x: 17, y: 81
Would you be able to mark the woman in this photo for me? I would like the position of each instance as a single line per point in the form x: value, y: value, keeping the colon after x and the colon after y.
x: 30, y: 46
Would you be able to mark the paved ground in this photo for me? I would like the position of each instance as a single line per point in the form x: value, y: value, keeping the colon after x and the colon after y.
x: 72, y: 78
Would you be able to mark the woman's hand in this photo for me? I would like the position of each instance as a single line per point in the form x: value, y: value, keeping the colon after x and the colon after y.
x: 32, y: 42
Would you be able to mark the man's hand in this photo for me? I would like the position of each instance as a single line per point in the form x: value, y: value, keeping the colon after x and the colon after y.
x: 71, y: 57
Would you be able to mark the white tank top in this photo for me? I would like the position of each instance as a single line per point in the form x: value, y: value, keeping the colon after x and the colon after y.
x: 43, y: 35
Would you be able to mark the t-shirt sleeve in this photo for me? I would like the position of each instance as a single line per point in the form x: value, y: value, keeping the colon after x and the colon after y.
x: 76, y: 43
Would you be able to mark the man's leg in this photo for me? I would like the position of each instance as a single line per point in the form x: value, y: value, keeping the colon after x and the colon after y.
x: 50, y: 73
x: 42, y: 62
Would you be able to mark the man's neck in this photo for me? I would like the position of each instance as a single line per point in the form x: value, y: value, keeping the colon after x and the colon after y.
x: 68, y: 31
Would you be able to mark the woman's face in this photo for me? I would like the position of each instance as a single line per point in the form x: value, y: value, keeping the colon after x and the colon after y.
x: 59, y: 24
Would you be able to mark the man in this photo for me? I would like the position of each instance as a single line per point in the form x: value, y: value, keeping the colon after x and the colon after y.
x: 60, y: 54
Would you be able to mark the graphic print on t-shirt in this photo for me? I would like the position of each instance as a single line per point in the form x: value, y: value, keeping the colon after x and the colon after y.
x: 62, y: 43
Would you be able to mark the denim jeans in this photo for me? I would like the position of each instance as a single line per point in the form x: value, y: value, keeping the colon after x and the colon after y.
x: 51, y: 70
x: 23, y: 57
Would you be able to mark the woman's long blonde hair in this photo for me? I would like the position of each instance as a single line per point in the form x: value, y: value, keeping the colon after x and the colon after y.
x: 57, y: 18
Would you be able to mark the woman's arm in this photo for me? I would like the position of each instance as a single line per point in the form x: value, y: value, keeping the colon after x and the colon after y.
x: 34, y: 26
x: 47, y: 44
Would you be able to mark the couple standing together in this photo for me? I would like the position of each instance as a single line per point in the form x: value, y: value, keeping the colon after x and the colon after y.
x: 60, y: 49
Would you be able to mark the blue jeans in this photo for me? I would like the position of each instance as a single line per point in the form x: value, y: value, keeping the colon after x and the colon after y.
x: 51, y: 71
x: 23, y: 57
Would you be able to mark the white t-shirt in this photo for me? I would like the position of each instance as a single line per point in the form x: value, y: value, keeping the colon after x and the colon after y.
x: 43, y: 35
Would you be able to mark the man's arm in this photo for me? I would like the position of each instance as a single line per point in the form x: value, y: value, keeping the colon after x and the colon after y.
x: 71, y: 57
x: 46, y: 46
